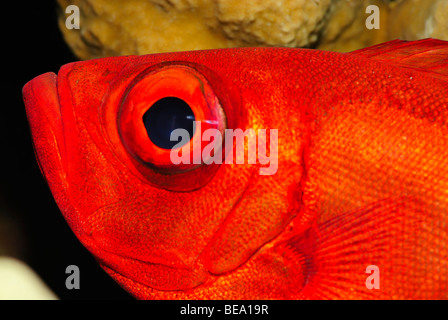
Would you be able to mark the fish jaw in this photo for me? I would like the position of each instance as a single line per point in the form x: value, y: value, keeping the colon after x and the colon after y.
x: 44, y: 117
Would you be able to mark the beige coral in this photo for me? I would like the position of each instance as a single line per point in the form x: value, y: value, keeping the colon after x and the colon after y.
x: 412, y: 20
x: 148, y: 26
x: 292, y: 23
x: 123, y: 27
x: 346, y: 30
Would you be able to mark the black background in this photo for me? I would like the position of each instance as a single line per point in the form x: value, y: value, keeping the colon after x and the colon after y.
x: 32, y: 227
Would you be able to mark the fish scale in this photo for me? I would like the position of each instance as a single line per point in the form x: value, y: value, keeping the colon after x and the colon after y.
x: 361, y: 179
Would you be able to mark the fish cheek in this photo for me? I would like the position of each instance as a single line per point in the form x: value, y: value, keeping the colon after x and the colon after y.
x: 92, y: 171
x: 262, y: 213
x: 95, y: 183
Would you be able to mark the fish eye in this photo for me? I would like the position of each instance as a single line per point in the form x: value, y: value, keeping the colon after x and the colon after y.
x: 153, y: 104
x: 161, y: 119
x: 161, y: 102
x: 166, y: 115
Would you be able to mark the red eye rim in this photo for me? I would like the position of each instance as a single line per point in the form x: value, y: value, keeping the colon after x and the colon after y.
x: 182, y: 181
x: 169, y: 81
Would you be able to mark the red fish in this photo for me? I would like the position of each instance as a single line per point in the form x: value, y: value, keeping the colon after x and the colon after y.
x: 361, y: 181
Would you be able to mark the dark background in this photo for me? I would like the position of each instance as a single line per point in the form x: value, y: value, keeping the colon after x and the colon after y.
x: 31, y: 226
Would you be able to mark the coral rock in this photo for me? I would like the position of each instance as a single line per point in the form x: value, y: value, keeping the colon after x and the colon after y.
x: 417, y: 19
x: 110, y: 28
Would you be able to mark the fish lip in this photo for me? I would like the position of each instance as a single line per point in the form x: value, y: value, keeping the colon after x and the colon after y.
x: 43, y: 112
x: 42, y: 105
x: 46, y: 81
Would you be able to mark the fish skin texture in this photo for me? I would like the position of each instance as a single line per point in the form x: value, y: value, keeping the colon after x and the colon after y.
x: 362, y: 173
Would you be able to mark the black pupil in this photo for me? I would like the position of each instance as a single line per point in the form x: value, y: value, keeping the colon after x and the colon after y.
x: 166, y: 115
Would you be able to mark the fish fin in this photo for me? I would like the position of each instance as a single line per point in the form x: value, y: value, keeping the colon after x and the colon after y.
x: 398, y: 237
x: 429, y: 56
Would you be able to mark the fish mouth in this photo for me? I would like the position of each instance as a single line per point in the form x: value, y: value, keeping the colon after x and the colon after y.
x: 41, y: 98
x: 43, y: 112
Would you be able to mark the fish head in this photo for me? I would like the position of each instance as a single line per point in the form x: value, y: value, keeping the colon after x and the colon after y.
x: 102, y: 134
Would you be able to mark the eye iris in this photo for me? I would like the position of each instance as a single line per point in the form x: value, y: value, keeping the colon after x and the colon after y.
x: 166, y: 115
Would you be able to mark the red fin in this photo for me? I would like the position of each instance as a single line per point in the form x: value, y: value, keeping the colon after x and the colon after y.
x: 428, y: 55
x: 398, y: 236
